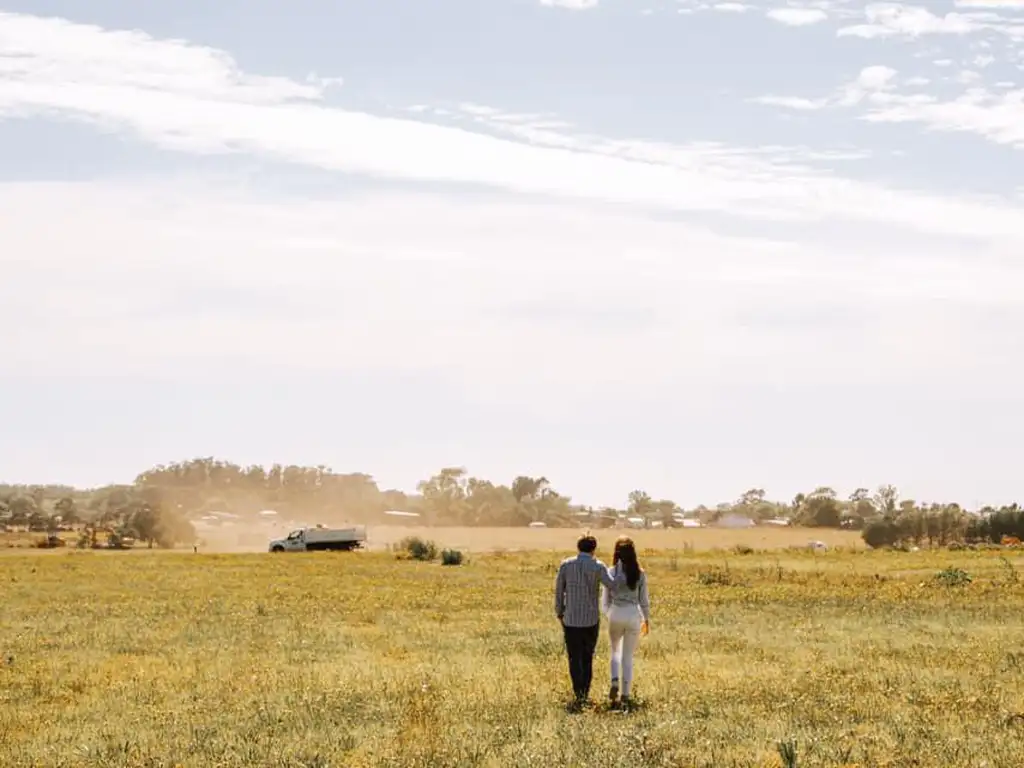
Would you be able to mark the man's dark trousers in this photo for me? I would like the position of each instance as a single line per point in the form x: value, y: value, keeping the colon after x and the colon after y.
x: 580, y: 644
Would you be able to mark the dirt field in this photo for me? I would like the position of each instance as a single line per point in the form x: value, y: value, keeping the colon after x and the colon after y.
x: 549, y: 539
x: 382, y: 537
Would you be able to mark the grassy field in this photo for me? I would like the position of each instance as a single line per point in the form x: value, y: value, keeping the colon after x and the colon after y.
x: 176, y: 659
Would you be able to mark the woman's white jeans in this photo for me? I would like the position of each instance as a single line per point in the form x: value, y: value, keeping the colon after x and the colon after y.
x: 624, y: 634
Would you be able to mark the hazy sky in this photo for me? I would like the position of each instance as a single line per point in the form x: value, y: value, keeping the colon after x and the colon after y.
x: 685, y: 247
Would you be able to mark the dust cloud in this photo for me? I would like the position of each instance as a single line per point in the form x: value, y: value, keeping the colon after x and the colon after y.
x: 242, y: 536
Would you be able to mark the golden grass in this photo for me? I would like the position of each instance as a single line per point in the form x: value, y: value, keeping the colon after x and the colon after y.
x: 859, y: 658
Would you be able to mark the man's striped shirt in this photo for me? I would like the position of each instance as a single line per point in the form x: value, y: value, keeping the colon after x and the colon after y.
x: 577, y: 592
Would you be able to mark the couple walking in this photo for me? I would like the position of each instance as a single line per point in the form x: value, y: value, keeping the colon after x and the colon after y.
x: 623, y: 599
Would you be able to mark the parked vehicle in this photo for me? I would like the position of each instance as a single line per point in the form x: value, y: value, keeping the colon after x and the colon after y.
x: 320, y: 538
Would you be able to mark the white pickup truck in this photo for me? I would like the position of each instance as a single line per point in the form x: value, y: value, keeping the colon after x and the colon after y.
x: 320, y: 538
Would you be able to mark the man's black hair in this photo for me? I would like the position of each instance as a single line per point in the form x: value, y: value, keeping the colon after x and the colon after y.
x: 586, y: 543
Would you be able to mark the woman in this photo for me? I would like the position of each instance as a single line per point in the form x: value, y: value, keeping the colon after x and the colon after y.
x: 628, y: 609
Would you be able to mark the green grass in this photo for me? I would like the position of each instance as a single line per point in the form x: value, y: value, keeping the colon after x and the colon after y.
x: 324, y: 659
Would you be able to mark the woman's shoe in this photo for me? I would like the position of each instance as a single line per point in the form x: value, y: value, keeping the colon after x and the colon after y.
x: 613, y: 693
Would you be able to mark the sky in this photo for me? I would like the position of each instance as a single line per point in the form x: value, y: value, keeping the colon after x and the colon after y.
x: 690, y: 248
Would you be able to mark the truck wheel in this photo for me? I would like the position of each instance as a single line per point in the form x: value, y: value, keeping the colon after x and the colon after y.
x: 278, y: 549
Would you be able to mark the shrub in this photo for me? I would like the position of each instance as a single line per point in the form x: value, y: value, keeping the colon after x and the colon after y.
x: 953, y: 577
x: 715, y: 577
x: 451, y: 557
x: 415, y: 548
x: 880, y: 533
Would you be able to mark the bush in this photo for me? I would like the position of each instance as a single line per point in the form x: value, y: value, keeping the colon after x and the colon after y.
x: 415, y: 548
x: 715, y: 577
x: 451, y: 557
x: 880, y: 533
x: 953, y: 577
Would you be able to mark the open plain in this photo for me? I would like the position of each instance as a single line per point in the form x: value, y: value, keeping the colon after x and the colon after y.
x: 250, y: 538
x: 491, y: 539
x: 773, y: 658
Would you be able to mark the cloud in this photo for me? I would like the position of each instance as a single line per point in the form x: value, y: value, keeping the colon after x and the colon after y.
x: 193, y: 99
x: 37, y: 54
x: 575, y: 5
x: 997, y: 116
x: 731, y: 7
x: 894, y: 19
x: 874, y: 78
x: 797, y: 17
x: 1003, y: 5
x: 870, y: 82
x: 791, y: 102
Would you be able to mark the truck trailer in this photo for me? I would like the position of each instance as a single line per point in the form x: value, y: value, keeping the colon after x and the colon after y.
x: 320, y: 538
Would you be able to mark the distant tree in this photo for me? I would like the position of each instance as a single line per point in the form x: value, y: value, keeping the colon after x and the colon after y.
x: 155, y: 524
x: 860, y: 509
x: 797, y: 506
x: 23, y: 511
x: 445, y: 495
x: 752, y: 498
x: 67, y: 511
x: 525, y: 488
x: 490, y: 504
x: 664, y: 510
x: 886, y: 499
x: 640, y: 504
x: 821, y: 509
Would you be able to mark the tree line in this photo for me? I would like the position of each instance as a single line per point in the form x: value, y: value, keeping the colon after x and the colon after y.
x: 159, y: 505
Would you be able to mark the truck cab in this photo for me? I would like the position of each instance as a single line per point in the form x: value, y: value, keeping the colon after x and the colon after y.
x: 293, y: 542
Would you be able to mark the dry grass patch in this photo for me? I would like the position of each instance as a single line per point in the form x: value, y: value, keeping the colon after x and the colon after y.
x: 763, y: 537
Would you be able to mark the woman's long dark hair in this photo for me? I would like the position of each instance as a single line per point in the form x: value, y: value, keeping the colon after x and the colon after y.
x: 625, y: 553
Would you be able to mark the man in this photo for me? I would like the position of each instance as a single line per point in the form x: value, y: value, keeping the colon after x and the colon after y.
x: 577, y: 608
